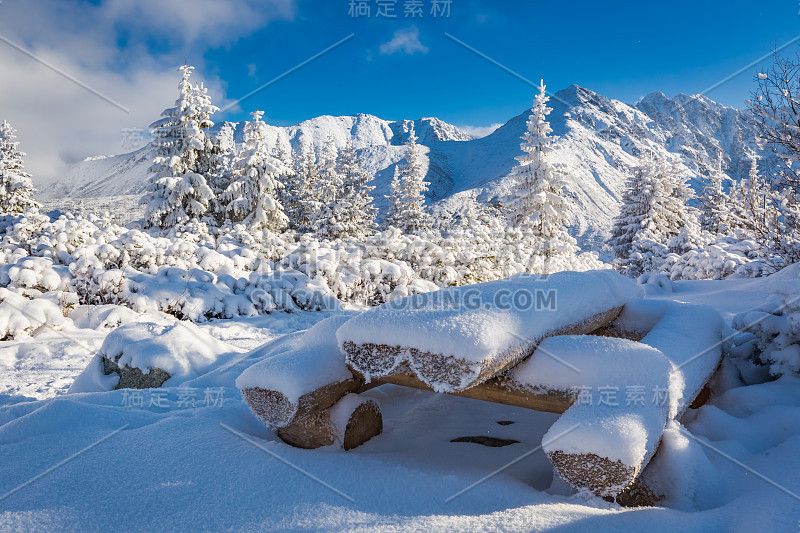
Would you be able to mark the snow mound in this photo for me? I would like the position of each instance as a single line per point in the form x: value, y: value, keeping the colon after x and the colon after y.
x: 181, y: 349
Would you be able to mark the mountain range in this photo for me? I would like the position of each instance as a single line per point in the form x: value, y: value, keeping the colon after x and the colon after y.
x: 599, y: 141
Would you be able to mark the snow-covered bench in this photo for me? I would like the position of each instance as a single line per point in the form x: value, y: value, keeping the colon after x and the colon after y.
x: 469, y: 342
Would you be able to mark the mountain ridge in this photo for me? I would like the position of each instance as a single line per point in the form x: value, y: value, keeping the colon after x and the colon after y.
x: 599, y: 142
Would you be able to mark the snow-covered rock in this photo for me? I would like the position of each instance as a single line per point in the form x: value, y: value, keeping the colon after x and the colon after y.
x: 148, y: 355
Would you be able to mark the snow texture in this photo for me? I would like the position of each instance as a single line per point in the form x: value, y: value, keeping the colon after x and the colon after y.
x: 176, y: 468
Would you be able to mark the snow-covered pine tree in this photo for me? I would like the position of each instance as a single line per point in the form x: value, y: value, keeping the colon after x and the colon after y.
x: 252, y: 196
x: 356, y: 212
x: 748, y: 202
x: 304, y: 204
x: 176, y: 192
x: 291, y: 194
x: 392, y: 218
x: 280, y: 153
x: 411, y: 216
x: 216, y: 165
x: 327, y: 218
x: 537, y: 201
x: 16, y: 188
x: 635, y: 206
x: 715, y: 216
x: 291, y: 190
x: 655, y: 218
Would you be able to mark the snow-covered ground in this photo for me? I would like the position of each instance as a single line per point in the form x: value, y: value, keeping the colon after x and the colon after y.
x: 196, y: 458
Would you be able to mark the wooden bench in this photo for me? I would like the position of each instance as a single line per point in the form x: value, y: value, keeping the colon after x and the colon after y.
x: 662, y: 338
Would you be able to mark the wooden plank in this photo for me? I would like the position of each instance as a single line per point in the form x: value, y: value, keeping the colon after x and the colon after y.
x: 496, y: 390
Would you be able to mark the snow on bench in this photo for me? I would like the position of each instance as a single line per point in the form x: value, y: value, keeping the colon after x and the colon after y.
x: 630, y: 390
x: 457, y: 338
x: 654, y: 360
x: 309, y: 376
x: 303, y: 390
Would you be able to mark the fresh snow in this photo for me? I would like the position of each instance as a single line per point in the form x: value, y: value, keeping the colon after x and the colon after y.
x: 480, y: 323
x: 612, y: 423
x: 177, y: 468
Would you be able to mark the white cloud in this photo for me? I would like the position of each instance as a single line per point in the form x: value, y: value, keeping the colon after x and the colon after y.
x: 60, y: 122
x: 405, y: 40
x: 480, y: 131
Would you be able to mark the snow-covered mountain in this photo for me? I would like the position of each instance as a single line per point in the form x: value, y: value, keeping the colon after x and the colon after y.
x: 380, y: 140
x: 599, y: 142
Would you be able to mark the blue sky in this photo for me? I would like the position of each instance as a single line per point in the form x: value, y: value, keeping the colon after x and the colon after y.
x: 620, y: 49
x: 128, y: 52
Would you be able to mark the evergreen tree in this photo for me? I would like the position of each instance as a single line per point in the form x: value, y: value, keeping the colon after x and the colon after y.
x: 392, y: 218
x: 304, y: 203
x: 176, y: 192
x: 537, y: 202
x: 715, y: 206
x: 328, y: 215
x: 654, y: 219
x: 748, y: 201
x: 633, y: 212
x: 291, y: 194
x: 356, y: 212
x: 16, y: 187
x: 251, y: 198
x: 280, y: 153
x: 216, y: 165
x: 409, y: 195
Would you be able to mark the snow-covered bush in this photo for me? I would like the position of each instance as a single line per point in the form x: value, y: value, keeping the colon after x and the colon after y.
x: 22, y: 316
x: 772, y: 333
x: 197, y: 272
x: 715, y: 260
